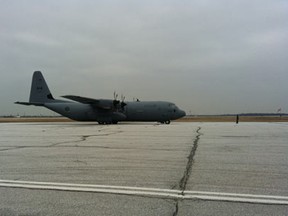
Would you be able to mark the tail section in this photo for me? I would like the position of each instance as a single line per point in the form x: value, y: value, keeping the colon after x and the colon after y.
x: 40, y: 92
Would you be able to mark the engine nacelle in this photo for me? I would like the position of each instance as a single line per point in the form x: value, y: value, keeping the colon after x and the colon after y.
x: 118, y: 116
x: 105, y: 104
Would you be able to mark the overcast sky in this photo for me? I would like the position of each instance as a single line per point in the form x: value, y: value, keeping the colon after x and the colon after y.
x: 209, y: 57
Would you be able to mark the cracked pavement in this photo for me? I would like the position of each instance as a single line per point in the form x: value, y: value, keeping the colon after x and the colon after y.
x: 249, y: 158
x: 183, y: 181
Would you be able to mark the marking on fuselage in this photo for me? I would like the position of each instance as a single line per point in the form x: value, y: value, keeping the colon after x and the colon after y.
x: 149, y: 192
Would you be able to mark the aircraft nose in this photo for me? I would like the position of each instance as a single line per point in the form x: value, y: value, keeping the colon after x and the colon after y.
x: 182, y: 113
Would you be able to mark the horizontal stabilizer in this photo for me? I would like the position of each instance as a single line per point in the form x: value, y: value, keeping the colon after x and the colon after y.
x: 28, y: 104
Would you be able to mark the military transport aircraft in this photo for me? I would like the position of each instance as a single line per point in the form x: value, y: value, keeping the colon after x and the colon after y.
x: 104, y: 111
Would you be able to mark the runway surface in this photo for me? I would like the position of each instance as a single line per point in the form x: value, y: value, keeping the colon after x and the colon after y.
x: 185, y: 168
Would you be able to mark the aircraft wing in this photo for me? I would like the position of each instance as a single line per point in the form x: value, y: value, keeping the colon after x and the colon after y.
x: 80, y: 99
x: 98, y: 103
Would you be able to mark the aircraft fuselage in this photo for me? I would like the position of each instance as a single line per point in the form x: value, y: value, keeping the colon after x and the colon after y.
x: 160, y: 111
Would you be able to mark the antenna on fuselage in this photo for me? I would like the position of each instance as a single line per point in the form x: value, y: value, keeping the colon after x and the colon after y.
x: 136, y: 99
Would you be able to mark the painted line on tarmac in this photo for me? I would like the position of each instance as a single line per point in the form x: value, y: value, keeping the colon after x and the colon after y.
x: 149, y: 192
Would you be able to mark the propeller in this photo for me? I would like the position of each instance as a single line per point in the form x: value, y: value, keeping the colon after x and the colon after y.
x: 122, y: 97
x: 122, y: 101
x: 115, y: 101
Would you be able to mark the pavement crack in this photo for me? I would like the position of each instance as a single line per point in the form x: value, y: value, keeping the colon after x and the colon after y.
x: 188, y: 170
x: 183, y: 181
x: 80, y: 162
x: 175, y: 213
x: 83, y: 138
x: 12, y: 148
x: 66, y: 142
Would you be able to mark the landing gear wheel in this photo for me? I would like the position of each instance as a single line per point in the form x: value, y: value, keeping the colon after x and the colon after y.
x: 101, y: 123
x: 167, y: 122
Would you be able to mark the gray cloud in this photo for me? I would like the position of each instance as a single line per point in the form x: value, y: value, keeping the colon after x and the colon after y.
x: 207, y: 56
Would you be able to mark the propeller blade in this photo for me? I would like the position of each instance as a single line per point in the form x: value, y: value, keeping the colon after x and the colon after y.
x: 115, y: 95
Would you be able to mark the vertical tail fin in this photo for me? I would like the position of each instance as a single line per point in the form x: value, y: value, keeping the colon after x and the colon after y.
x: 40, y: 92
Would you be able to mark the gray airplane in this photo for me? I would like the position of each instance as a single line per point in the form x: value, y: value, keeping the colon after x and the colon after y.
x: 104, y: 111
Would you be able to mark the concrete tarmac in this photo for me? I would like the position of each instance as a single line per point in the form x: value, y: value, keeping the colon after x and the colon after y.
x: 185, y: 168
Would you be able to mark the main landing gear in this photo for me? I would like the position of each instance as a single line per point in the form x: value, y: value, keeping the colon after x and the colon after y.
x: 112, y: 122
x: 165, y: 122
